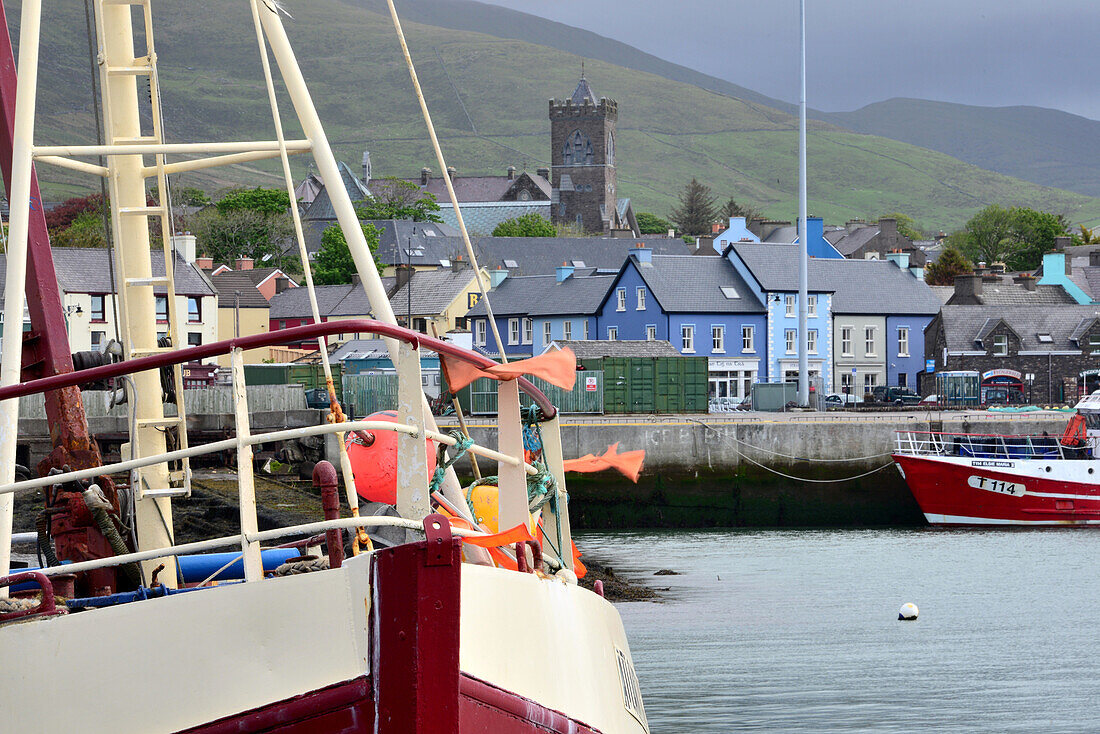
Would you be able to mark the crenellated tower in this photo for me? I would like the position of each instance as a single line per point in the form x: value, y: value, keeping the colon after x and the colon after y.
x: 582, y: 140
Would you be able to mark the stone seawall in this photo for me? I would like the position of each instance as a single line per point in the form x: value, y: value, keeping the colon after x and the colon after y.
x: 709, y: 471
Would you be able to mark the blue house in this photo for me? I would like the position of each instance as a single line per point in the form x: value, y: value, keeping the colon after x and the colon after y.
x: 787, y: 234
x: 534, y: 310
x: 771, y: 272
x: 696, y: 302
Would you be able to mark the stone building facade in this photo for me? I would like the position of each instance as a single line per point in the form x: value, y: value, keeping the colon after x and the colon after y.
x: 582, y: 152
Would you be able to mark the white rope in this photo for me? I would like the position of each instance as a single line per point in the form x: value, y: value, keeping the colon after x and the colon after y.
x: 813, y: 481
x: 447, y: 181
x: 800, y: 458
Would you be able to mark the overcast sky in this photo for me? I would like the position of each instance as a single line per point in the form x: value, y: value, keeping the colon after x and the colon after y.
x: 1008, y: 52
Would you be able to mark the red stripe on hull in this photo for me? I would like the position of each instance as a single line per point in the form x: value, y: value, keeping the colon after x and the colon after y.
x: 348, y: 708
x: 943, y: 492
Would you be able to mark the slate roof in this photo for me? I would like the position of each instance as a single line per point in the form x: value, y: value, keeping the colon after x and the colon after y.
x: 229, y: 283
x: 543, y: 295
x: 849, y: 243
x: 782, y: 235
x: 583, y: 93
x: 858, y: 286
x: 321, y: 208
x: 431, y: 291
x: 943, y: 292
x: 293, y: 303
x: 598, y: 349
x: 1007, y: 293
x: 87, y: 270
x: 964, y: 324
x: 482, y: 218
x: 1087, y: 279
x: 472, y: 189
x: 688, y: 284
x: 391, y: 232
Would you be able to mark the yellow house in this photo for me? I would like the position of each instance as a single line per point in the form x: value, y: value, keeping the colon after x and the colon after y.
x: 242, y: 310
x: 437, y: 298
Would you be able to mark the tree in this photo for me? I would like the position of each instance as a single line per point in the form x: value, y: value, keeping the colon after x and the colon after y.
x: 950, y: 263
x: 225, y: 236
x: 696, y: 211
x: 1089, y: 236
x: 185, y: 195
x: 906, y: 226
x: 528, y: 225
x: 84, y: 231
x: 395, y: 198
x: 333, y: 263
x: 1016, y: 236
x: 732, y: 209
x: 61, y: 216
x: 264, y: 201
x: 652, y: 224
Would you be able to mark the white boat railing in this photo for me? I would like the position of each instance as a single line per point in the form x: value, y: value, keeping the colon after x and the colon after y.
x: 988, y: 446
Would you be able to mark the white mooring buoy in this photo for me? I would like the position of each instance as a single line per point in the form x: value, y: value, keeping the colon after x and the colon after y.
x: 908, y: 612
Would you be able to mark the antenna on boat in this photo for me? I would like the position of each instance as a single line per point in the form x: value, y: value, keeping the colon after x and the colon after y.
x: 804, y: 245
x: 447, y: 180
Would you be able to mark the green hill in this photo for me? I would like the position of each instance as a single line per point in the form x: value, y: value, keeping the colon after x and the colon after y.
x: 488, y: 98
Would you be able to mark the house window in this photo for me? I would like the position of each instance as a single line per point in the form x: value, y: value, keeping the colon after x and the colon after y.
x: 650, y: 333
x: 846, y: 383
x: 98, y: 306
x: 528, y: 331
x: 846, y: 340
x: 620, y: 299
x: 420, y: 324
x: 687, y: 337
x: 194, y: 339
x: 748, y: 335
x: 194, y: 310
x: 718, y: 338
x: 513, y: 331
x: 1000, y: 345
x: 811, y: 341
x: 869, y: 382
x: 567, y: 329
x: 1094, y: 343
x: 584, y: 330
x: 811, y: 306
x: 869, y: 341
x: 162, y: 309
x: 641, y: 299
x: 98, y: 337
x: 547, y: 337
x: 790, y: 302
x: 479, y: 332
x: 903, y: 341
x: 791, y: 336
x: 612, y: 333
x: 903, y: 379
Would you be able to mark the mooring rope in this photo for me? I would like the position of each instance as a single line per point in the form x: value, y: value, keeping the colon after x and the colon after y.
x: 812, y: 481
x: 800, y: 458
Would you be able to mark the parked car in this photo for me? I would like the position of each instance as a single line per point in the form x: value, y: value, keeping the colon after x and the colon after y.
x: 837, y: 400
x: 894, y: 394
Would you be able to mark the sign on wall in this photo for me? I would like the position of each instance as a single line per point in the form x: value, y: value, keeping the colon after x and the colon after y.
x: 472, y: 299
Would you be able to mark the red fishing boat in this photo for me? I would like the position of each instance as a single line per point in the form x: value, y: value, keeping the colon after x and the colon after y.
x: 984, y: 479
x: 462, y: 629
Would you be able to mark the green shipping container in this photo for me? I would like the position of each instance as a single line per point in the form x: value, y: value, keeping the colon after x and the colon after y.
x: 309, y: 376
x: 654, y: 384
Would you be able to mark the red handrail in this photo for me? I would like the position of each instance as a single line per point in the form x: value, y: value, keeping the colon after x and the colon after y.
x: 254, y: 341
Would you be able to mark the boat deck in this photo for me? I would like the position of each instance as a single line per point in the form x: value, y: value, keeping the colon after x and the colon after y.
x: 988, y: 446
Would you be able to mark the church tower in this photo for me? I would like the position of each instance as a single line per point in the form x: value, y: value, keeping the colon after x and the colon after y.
x: 582, y: 140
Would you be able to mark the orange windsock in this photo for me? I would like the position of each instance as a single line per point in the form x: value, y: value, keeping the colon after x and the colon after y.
x: 628, y: 463
x: 558, y: 367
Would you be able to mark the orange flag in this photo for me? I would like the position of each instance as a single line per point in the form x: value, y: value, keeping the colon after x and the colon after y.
x: 558, y: 367
x: 629, y: 463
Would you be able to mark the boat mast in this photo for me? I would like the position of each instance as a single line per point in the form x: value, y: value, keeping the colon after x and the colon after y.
x: 804, y: 245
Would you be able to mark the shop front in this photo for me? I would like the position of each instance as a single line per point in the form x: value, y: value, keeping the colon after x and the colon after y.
x: 732, y: 378
x: 1002, y: 387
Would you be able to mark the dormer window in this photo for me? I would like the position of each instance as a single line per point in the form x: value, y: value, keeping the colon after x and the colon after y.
x: 1094, y: 344
x: 1000, y: 345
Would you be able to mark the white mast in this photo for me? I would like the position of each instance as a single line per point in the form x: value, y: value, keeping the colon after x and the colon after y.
x: 803, y: 248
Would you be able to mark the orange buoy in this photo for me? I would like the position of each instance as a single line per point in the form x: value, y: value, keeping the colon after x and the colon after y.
x: 373, y: 457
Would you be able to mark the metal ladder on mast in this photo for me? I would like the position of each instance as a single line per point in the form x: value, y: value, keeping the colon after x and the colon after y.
x: 173, y: 427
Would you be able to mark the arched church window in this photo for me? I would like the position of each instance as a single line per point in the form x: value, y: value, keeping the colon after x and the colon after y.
x: 577, y: 150
x: 610, y: 148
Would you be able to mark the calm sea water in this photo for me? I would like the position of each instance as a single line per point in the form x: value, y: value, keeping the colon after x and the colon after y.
x: 794, y: 631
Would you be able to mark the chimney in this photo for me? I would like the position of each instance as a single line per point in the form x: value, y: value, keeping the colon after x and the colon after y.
x: 452, y: 173
x: 355, y: 280
x: 366, y: 166
x: 888, y: 227
x: 1061, y: 243
x: 642, y: 254
x: 544, y: 172
x: 511, y: 173
x: 184, y: 244
x: 244, y: 263
x: 1030, y: 283
x: 204, y: 263
x: 716, y: 228
x: 403, y: 272
x: 918, y: 273
x: 968, y: 289
x: 563, y: 271
x: 458, y: 264
x: 899, y: 258
x: 281, y: 284
x: 425, y: 175
x: 853, y: 224
x: 497, y: 276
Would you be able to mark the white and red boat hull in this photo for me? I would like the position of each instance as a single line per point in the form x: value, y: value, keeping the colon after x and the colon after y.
x: 957, y: 490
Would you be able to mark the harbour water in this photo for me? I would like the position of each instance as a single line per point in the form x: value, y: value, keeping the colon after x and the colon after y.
x: 797, y: 631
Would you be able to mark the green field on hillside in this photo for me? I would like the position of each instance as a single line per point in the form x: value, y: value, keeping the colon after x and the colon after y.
x: 488, y: 98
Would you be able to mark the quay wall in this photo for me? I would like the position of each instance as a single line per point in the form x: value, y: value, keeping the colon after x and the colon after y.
x: 729, y: 472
